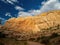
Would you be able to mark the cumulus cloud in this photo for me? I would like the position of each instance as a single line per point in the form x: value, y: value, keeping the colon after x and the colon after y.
x: 8, y: 14
x: 50, y: 5
x: 10, y: 1
x: 46, y: 6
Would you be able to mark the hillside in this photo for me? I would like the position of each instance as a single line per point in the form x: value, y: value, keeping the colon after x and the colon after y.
x: 32, y: 28
x: 34, y: 23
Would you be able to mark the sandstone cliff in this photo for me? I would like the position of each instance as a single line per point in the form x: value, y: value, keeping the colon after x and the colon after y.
x: 34, y: 23
x: 37, y: 28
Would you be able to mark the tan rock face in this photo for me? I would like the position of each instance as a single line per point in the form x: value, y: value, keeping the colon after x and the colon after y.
x: 38, y: 28
x: 34, y: 23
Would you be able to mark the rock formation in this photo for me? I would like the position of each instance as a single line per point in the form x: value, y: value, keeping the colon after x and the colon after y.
x: 32, y: 27
x: 34, y: 23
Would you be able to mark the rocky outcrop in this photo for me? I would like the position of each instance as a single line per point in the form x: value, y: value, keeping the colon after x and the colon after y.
x: 34, y: 23
x: 33, y: 27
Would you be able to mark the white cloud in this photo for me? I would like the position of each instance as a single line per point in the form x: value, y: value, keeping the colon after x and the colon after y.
x: 49, y: 5
x: 14, y: 0
x: 2, y: 20
x: 8, y: 14
x: 23, y: 14
x: 19, y: 8
x: 10, y: 1
x: 29, y: 13
x: 34, y: 12
x: 43, y: 2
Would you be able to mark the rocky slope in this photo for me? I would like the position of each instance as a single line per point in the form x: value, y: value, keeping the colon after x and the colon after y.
x: 26, y: 28
x: 34, y: 23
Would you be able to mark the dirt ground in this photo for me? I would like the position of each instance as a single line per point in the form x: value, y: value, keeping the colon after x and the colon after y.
x: 34, y: 43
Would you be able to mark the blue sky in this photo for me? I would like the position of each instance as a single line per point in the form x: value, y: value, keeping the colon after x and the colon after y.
x: 17, y: 8
x: 7, y: 7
